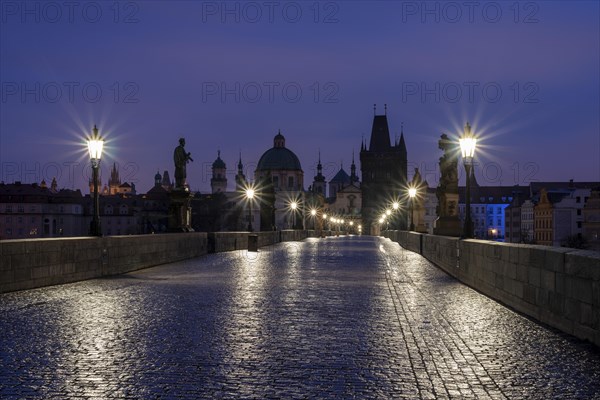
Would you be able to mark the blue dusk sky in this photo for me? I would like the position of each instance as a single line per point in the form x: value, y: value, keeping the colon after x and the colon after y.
x: 228, y: 75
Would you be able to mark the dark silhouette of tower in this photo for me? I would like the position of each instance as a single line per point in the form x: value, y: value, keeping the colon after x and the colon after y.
x: 384, y: 171
x: 240, y: 178
x: 318, y: 185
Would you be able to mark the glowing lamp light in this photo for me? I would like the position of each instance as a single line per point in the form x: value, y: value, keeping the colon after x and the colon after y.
x: 395, y: 205
x: 388, y: 212
x: 381, y: 220
x: 412, y: 192
x: 467, y: 146
x: 95, y: 145
x: 351, y: 223
x: 294, y: 205
x: 250, y: 193
x: 313, y: 212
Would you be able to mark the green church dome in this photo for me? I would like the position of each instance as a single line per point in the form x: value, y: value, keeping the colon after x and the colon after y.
x: 278, y: 157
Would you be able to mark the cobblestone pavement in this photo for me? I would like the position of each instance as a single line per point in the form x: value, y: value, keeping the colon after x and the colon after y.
x: 348, y: 317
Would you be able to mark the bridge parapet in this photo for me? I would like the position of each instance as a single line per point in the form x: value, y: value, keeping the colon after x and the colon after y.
x: 32, y: 263
x: 557, y: 286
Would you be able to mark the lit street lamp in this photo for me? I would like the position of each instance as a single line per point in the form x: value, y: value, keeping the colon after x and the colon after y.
x: 313, y: 214
x: 250, y: 196
x: 294, y: 206
x: 95, y: 145
x: 412, y: 192
x: 467, y: 148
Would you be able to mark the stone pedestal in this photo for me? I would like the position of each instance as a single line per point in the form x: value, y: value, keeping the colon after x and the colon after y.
x: 447, y: 226
x: 180, y: 211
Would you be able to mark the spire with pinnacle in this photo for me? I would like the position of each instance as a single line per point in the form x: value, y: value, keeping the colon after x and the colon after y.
x: 240, y: 178
x: 402, y: 144
x: 353, y: 177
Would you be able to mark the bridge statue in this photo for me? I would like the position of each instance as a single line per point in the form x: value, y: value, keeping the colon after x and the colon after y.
x: 448, y: 223
x: 181, y: 158
x: 180, y: 210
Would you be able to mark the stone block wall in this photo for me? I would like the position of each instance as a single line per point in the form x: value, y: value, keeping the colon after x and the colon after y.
x: 557, y: 286
x: 31, y: 263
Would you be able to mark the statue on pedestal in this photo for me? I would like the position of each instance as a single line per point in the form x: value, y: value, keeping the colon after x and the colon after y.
x: 180, y: 210
x: 448, y: 223
x: 181, y: 158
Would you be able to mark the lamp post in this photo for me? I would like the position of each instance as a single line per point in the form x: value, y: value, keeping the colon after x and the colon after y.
x: 412, y: 192
x: 95, y: 145
x: 313, y: 214
x: 294, y: 206
x: 250, y: 196
x: 467, y: 148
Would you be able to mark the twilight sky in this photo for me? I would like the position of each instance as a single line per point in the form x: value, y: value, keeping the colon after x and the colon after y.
x: 228, y: 75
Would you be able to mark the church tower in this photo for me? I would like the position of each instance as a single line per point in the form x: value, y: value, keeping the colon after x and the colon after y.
x: 384, y: 171
x: 240, y: 178
x: 218, y: 183
x: 114, y: 181
x: 319, y: 180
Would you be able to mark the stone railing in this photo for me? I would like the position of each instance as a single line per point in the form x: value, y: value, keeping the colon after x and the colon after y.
x: 31, y: 263
x: 557, y: 286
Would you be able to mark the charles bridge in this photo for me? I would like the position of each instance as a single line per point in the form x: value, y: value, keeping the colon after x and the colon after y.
x: 309, y: 315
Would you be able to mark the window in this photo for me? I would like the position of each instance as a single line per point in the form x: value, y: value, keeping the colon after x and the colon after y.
x: 108, y: 210
x: 499, y: 222
x: 276, y: 182
x: 8, y: 231
x: 579, y: 211
x: 123, y: 210
x: 578, y: 224
x: 8, y: 208
x: 290, y: 182
x: 20, y: 208
x: 577, y: 199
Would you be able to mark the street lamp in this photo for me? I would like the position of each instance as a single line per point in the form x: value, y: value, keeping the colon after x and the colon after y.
x: 250, y: 196
x: 412, y: 192
x: 395, y: 205
x: 467, y: 148
x: 95, y: 145
x: 294, y: 206
x: 313, y: 214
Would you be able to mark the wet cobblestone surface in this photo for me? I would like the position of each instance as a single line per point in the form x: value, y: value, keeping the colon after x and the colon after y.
x: 348, y: 317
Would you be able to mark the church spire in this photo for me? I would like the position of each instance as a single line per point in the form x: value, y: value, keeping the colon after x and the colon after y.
x: 240, y: 165
x: 319, y: 165
x: 402, y: 144
x: 353, y: 177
